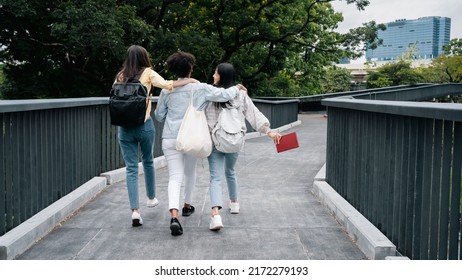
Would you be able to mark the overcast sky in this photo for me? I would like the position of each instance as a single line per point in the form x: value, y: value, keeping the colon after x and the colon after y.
x: 383, y: 11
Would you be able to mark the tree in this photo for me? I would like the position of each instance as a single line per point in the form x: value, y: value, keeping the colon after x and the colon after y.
x: 1, y: 78
x: 367, y: 33
x: 444, y: 69
x: 393, y: 74
x: 378, y: 80
x: 454, y: 48
x: 336, y: 80
x: 74, y: 48
x: 1, y: 73
x: 65, y: 48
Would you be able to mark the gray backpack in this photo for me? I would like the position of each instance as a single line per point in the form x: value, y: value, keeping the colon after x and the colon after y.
x: 229, y: 133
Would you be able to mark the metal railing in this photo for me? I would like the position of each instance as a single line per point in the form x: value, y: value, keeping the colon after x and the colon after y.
x: 399, y: 164
x: 278, y: 112
x: 314, y: 102
x: 50, y: 147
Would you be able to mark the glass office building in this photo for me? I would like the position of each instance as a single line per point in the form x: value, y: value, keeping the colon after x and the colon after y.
x: 421, y: 38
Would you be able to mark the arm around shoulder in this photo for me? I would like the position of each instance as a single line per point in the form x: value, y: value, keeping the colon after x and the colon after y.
x: 217, y: 94
x: 158, y: 81
x: 182, y: 82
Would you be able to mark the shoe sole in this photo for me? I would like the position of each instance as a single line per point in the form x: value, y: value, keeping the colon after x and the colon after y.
x: 152, y: 205
x: 186, y: 214
x: 136, y: 223
x: 175, y: 229
x: 216, y: 228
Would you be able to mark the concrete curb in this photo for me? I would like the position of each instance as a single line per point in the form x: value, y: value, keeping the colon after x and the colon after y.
x: 373, y: 243
x: 20, y: 238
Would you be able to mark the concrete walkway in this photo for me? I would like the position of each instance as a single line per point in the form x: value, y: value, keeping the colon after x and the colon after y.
x: 280, y: 218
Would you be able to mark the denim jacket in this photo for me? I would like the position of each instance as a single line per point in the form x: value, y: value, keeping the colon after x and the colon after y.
x: 172, y: 105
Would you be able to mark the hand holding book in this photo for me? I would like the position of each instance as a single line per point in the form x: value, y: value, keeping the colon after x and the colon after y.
x: 275, y: 136
x: 287, y: 142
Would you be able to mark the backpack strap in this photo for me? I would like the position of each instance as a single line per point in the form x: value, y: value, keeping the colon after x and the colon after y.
x: 136, y: 78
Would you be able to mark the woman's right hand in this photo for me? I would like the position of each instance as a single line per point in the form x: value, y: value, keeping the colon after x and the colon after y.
x: 275, y: 136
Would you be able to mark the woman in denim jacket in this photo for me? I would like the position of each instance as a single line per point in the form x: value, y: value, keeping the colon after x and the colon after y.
x: 171, y: 109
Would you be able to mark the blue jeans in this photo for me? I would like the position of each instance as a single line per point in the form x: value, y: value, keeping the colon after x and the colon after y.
x: 219, y: 162
x: 129, y: 140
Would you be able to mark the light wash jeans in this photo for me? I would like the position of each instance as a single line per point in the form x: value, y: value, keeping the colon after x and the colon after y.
x: 180, y: 165
x: 218, y: 162
x: 129, y: 140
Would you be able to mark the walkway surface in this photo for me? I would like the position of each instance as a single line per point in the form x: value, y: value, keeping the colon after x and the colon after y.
x: 280, y: 218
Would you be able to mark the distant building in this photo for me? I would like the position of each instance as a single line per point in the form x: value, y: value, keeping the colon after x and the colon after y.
x: 421, y: 38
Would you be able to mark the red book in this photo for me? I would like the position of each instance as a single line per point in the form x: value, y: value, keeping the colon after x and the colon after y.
x: 287, y: 142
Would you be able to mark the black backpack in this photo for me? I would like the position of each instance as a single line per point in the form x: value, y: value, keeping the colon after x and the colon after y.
x: 128, y: 103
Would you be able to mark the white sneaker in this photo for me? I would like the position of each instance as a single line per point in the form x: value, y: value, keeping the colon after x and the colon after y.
x: 152, y: 202
x: 136, y: 219
x: 215, y: 223
x: 234, y: 207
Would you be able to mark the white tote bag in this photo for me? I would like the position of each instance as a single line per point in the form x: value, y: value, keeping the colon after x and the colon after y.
x: 194, y: 136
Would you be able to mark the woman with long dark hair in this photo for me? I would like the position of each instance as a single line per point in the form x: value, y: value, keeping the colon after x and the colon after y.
x: 219, y: 162
x: 137, y: 65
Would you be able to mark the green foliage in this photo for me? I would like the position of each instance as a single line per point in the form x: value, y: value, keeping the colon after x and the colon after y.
x: 336, y: 80
x: 366, y: 33
x: 394, y: 74
x: 378, y: 80
x: 75, y: 48
x: 1, y: 73
x: 2, y: 79
x: 444, y: 69
x: 70, y: 49
x: 454, y: 48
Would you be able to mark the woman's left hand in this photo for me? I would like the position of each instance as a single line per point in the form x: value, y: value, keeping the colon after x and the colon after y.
x: 241, y: 87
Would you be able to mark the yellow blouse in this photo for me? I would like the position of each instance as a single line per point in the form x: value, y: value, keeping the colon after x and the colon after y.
x: 149, y: 78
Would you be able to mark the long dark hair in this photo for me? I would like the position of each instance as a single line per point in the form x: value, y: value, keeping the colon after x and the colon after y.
x: 227, y: 78
x: 136, y: 60
x: 227, y: 75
